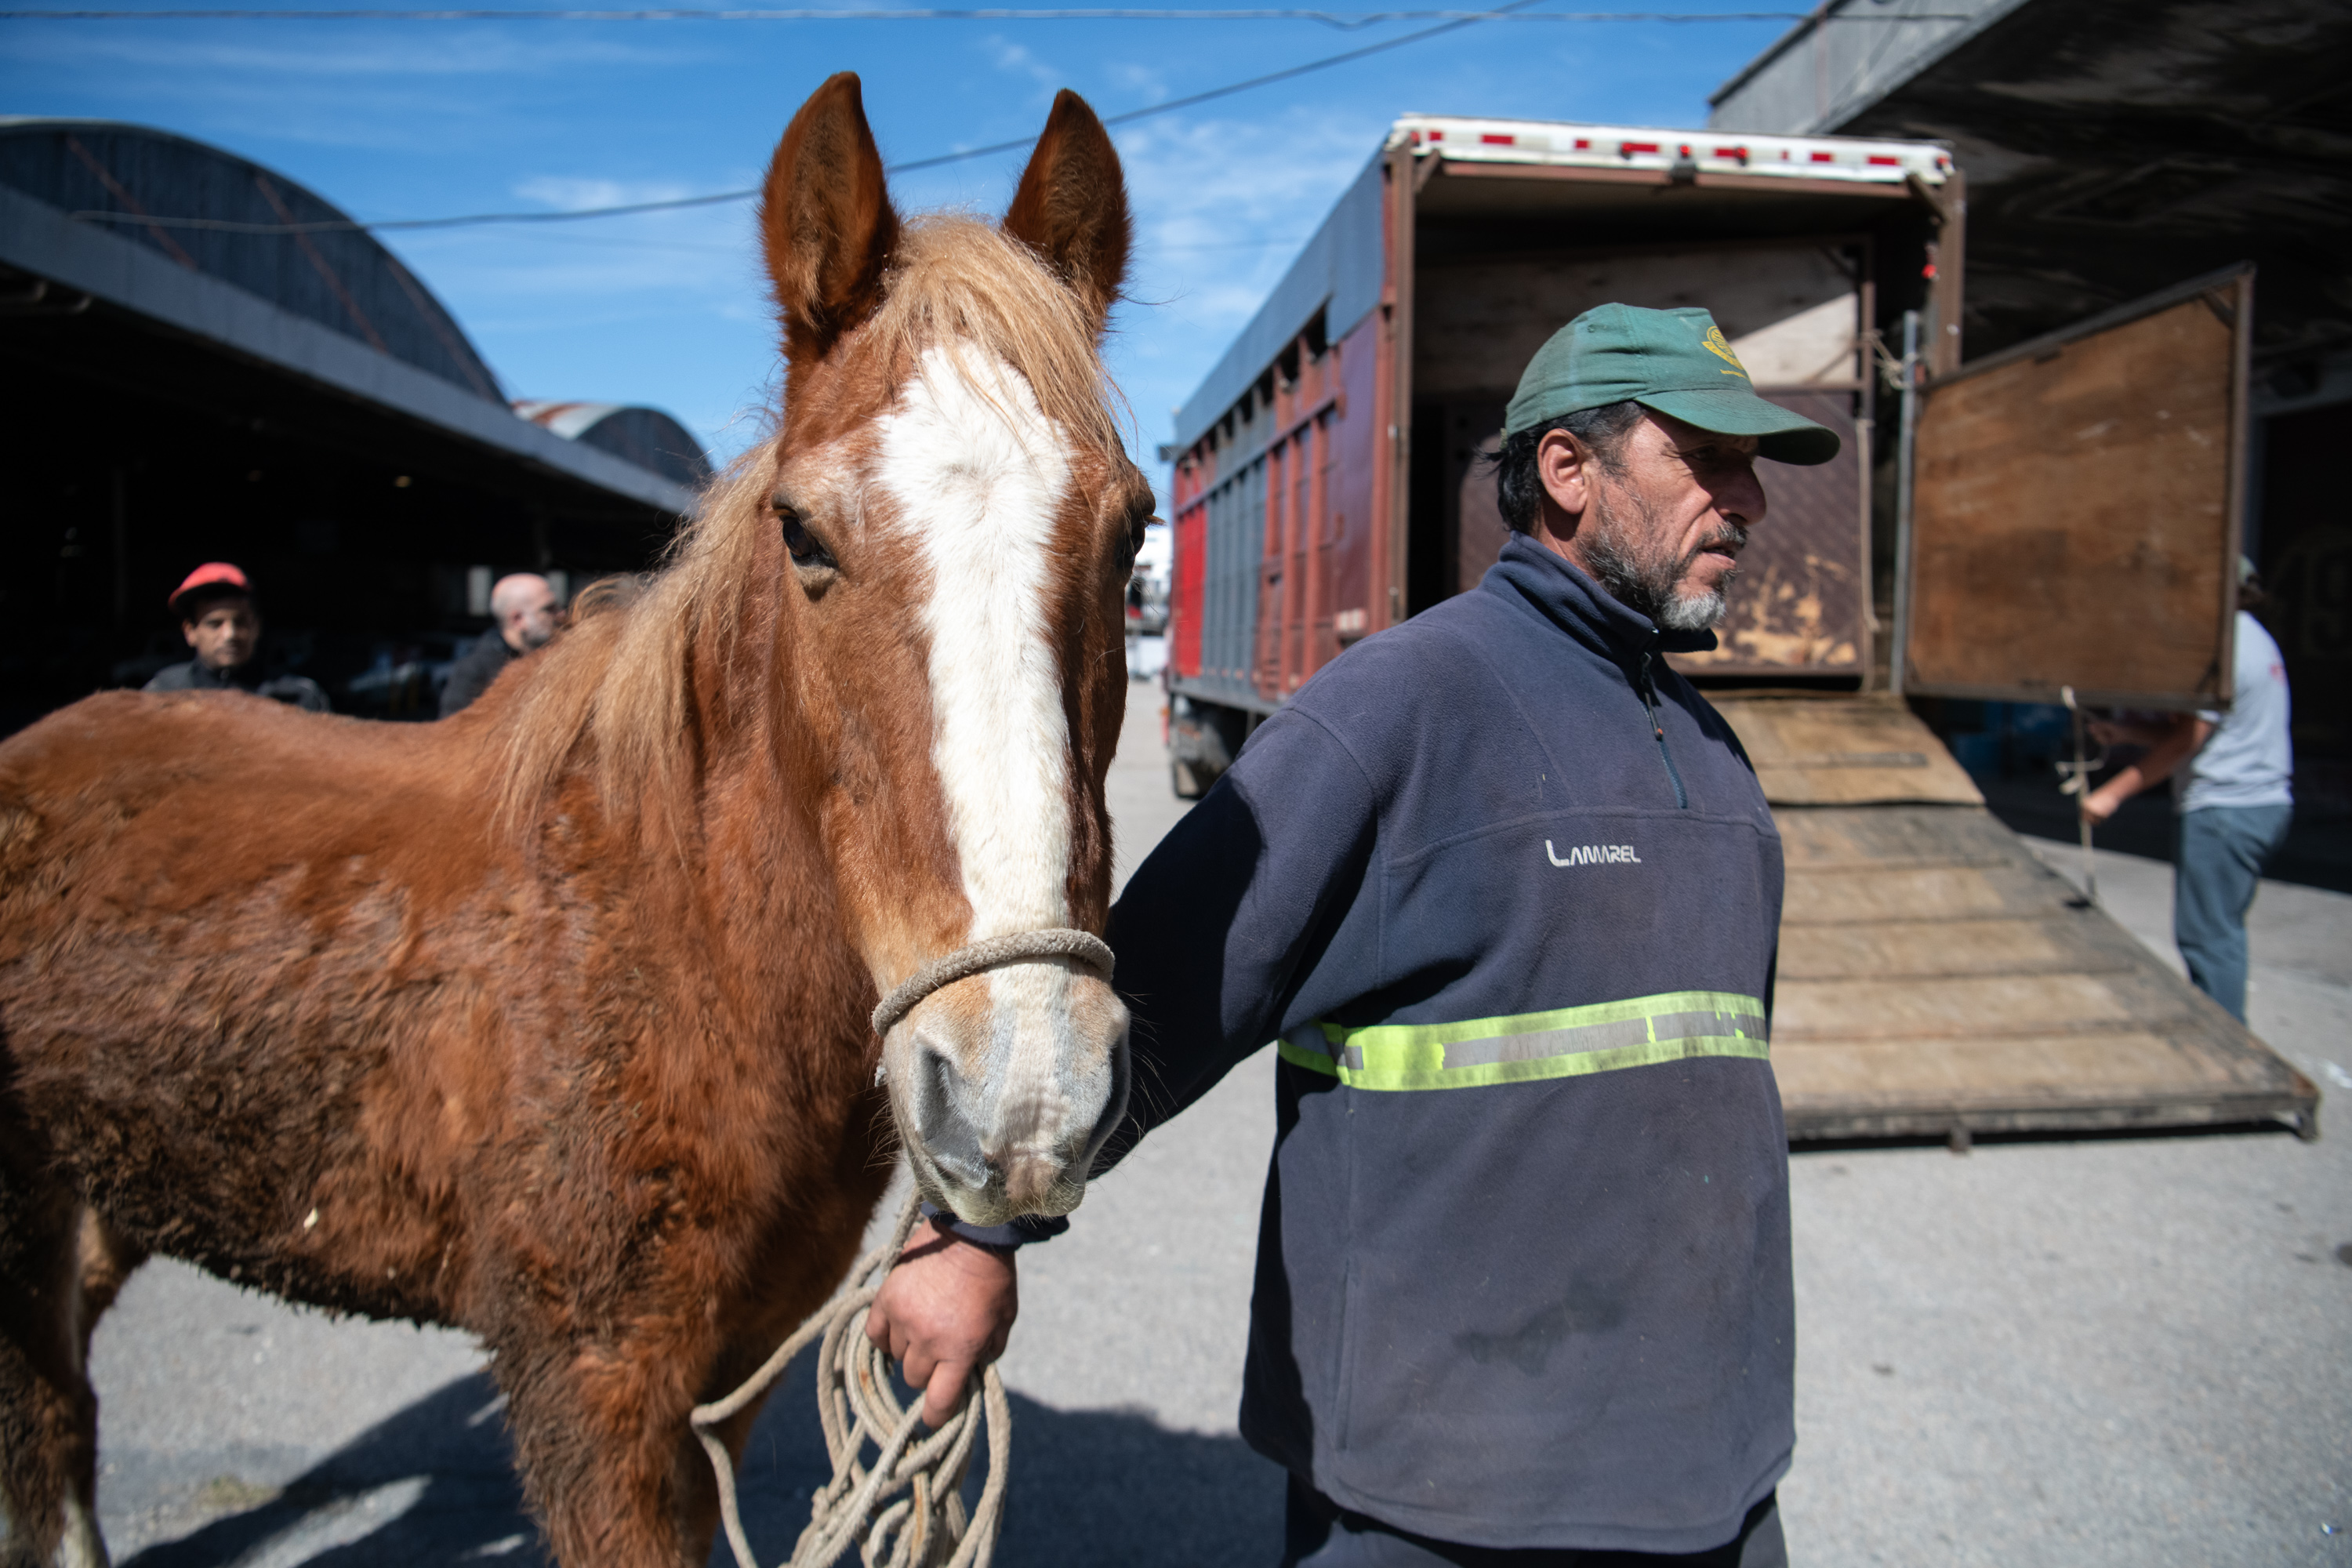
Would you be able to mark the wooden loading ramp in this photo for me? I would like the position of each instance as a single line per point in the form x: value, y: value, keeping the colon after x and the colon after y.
x: 1935, y: 978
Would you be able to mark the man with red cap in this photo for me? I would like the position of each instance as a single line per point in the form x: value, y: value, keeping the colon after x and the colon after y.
x: 217, y: 616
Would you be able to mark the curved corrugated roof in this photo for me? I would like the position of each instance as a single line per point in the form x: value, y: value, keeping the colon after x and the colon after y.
x: 342, y: 280
x: 645, y: 436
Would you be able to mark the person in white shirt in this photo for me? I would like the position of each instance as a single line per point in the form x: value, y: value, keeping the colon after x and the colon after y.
x: 2232, y: 786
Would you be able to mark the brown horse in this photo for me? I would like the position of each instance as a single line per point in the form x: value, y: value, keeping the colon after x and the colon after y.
x: 551, y: 1021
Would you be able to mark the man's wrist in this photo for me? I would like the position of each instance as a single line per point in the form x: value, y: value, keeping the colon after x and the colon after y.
x: 1026, y: 1231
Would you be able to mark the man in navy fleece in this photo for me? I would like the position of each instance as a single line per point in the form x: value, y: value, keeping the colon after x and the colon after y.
x: 1503, y: 891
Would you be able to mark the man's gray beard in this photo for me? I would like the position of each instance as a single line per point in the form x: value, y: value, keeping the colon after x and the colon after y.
x: 1647, y: 585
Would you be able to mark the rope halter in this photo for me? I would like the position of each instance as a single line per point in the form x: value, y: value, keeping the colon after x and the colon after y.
x: 1015, y: 947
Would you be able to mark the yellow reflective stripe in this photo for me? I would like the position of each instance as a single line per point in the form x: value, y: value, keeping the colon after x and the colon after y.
x: 1568, y: 1042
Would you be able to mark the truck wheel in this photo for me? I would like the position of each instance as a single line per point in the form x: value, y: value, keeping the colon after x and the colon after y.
x: 1182, y: 780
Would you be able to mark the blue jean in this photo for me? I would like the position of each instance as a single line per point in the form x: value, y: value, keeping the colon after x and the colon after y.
x: 2218, y: 858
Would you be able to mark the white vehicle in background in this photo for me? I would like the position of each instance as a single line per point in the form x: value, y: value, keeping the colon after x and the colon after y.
x: 1147, y: 607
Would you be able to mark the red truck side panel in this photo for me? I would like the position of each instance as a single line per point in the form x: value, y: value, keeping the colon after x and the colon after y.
x: 1357, y: 452
x: 1195, y: 476
x: 1184, y: 587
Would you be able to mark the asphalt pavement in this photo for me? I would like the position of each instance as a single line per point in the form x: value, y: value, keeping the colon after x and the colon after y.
x: 2112, y: 1351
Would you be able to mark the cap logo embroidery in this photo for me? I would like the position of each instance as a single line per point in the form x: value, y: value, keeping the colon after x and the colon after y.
x: 1720, y: 347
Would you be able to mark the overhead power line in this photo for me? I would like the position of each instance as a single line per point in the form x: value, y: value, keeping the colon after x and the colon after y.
x: 717, y: 197
x: 1347, y: 21
x: 1455, y: 21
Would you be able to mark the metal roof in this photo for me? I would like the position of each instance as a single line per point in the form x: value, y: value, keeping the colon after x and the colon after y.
x: 109, y: 175
x: 645, y: 436
x: 1819, y: 74
x: 334, y: 309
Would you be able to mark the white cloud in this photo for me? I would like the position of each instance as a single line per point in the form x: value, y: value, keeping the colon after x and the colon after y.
x: 1015, y: 59
x: 560, y: 192
x: 1142, y: 81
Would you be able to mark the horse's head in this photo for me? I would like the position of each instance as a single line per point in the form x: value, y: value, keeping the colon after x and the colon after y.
x: 955, y: 521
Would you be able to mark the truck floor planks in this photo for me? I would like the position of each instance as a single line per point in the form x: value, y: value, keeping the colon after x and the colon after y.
x: 1936, y: 978
x: 1815, y: 750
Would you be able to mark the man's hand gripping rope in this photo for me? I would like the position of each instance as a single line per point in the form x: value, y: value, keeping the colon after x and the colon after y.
x: 862, y: 1505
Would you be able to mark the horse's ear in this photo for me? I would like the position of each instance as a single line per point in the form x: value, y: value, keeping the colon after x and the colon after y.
x: 826, y: 220
x: 1071, y: 207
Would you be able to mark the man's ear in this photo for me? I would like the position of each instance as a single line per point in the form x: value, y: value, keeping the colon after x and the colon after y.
x: 1071, y: 206
x: 826, y: 220
x: 1564, y: 474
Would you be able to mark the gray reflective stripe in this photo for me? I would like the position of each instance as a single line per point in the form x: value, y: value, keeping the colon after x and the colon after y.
x: 1708, y: 1025
x: 1557, y: 1042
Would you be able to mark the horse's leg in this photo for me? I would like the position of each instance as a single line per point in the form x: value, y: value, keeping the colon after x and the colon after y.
x: 48, y: 1415
x: 608, y: 1457
x: 107, y: 1261
x: 596, y: 1432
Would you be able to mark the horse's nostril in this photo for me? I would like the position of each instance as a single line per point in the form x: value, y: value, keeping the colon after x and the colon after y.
x: 946, y: 1130
x: 1028, y: 1178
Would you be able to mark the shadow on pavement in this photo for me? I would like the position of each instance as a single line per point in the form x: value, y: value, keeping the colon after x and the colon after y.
x: 451, y: 1449
x: 1088, y: 1486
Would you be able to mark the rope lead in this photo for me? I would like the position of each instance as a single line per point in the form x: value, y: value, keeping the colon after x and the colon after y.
x: 927, y: 1527
x: 857, y: 1405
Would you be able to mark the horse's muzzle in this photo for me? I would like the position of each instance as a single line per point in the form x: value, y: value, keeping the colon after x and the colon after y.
x: 1007, y: 1086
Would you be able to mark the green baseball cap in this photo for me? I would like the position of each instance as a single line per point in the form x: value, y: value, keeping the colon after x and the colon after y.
x: 1676, y: 361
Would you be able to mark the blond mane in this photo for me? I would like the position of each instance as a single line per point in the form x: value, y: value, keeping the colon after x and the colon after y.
x: 614, y: 693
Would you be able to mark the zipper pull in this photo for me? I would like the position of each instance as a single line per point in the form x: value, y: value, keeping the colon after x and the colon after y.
x: 1650, y: 699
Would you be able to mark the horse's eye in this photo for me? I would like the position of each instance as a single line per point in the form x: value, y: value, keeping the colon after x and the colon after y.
x: 798, y: 539
x: 1131, y: 545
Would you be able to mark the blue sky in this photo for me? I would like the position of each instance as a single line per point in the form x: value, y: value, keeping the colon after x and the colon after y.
x: 395, y: 119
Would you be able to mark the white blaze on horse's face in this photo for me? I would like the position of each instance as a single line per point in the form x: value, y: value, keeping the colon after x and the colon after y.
x: 1003, y: 1081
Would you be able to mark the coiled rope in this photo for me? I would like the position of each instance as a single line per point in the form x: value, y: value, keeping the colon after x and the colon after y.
x: 861, y: 1505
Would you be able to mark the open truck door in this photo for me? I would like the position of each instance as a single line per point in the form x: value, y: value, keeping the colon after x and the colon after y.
x: 2077, y: 504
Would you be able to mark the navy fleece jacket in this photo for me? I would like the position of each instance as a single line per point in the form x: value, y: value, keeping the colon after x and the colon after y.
x: 1506, y: 891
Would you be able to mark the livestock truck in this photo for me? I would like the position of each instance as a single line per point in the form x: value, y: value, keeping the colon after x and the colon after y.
x: 2059, y: 520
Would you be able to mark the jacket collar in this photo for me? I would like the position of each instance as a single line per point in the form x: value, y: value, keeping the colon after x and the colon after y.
x: 245, y: 677
x: 1564, y: 595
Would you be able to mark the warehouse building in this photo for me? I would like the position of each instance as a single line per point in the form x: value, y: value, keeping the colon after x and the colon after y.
x: 203, y: 359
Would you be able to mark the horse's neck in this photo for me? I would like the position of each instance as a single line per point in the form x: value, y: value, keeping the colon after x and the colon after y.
x: 742, y: 729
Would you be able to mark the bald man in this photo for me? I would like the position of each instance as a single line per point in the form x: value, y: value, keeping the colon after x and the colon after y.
x: 524, y: 611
